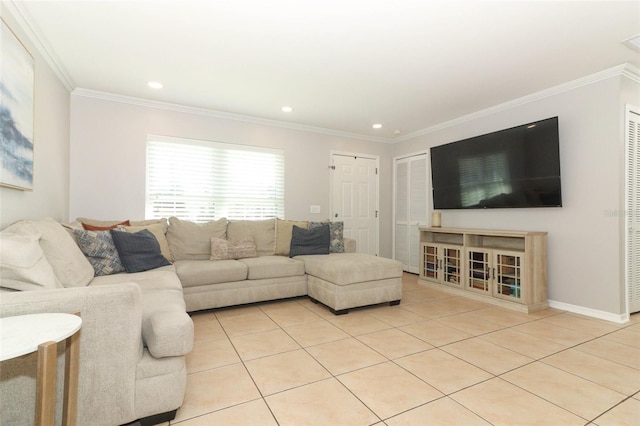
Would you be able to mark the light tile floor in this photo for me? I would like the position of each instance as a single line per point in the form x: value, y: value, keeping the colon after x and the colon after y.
x: 435, y: 359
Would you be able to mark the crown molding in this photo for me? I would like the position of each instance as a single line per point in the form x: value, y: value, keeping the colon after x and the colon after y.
x: 631, y: 73
x: 626, y: 70
x: 131, y: 100
x: 36, y: 39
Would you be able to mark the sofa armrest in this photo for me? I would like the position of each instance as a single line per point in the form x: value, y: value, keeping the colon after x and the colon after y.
x: 349, y: 245
x: 110, y: 348
x: 168, y: 333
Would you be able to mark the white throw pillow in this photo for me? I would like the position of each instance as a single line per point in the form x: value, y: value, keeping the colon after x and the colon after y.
x: 23, y: 265
x: 63, y: 254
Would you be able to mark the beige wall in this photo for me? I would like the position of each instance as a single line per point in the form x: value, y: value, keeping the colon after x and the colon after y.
x: 584, y: 235
x: 108, y: 146
x: 50, y: 195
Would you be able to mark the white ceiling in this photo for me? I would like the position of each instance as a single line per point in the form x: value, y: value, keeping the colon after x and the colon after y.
x: 341, y: 64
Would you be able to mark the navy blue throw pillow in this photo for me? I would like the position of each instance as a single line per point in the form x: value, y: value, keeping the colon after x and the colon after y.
x: 309, y: 241
x: 138, y: 251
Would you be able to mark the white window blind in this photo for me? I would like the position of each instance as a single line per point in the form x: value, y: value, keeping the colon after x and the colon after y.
x: 202, y: 181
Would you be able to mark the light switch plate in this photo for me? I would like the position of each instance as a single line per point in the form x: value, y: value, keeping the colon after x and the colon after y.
x: 315, y: 209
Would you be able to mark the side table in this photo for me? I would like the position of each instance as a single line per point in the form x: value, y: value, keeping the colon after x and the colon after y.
x: 24, y: 334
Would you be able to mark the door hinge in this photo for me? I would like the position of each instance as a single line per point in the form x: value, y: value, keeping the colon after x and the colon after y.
x: 376, y: 213
x: 376, y: 170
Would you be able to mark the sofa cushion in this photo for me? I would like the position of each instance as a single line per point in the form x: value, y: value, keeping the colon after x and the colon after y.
x: 23, y: 265
x: 336, y: 235
x: 273, y: 267
x: 349, y: 268
x: 158, y: 230
x: 69, y: 264
x: 263, y: 233
x: 193, y: 273
x: 153, y: 279
x: 309, y: 241
x: 284, y: 228
x: 222, y: 249
x: 100, y: 250
x: 192, y: 241
x: 138, y: 251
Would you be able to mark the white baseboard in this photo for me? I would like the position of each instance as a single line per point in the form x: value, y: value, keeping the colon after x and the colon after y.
x: 607, y: 316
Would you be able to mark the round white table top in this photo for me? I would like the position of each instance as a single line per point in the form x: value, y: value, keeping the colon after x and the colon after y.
x: 20, y: 335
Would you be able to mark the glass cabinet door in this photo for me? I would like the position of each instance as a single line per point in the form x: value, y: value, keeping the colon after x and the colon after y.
x: 508, y: 275
x: 452, y: 265
x: 478, y: 270
x: 430, y: 261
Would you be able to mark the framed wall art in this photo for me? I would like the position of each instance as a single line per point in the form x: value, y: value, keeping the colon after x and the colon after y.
x: 16, y: 112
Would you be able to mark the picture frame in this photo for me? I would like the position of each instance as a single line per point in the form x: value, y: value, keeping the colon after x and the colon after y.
x: 17, y: 81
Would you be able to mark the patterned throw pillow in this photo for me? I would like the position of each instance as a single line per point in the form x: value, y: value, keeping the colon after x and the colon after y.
x: 222, y: 249
x: 99, y: 249
x: 336, y: 231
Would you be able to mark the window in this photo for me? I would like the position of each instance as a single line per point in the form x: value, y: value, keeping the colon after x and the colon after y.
x: 203, y: 181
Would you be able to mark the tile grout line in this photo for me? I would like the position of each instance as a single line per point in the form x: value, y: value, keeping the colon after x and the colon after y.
x: 393, y: 360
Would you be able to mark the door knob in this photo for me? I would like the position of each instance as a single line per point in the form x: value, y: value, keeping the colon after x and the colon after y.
x: 336, y: 215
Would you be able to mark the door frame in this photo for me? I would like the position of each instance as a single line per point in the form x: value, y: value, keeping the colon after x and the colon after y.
x: 393, y: 193
x: 333, y: 153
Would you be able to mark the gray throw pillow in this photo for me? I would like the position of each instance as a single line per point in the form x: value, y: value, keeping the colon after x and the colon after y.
x: 139, y: 251
x: 309, y: 241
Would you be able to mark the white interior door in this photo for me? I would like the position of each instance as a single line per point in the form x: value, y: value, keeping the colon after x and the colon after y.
x: 632, y: 216
x: 410, y: 208
x: 354, y: 201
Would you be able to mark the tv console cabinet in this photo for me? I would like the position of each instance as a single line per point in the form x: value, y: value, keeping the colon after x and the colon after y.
x: 505, y: 268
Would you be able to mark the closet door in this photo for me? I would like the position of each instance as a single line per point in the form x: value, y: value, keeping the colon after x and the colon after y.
x: 410, y: 209
x: 632, y: 214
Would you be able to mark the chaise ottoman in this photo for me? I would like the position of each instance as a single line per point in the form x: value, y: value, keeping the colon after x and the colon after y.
x: 349, y: 280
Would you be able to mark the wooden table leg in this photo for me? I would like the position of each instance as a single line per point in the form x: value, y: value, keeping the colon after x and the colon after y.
x: 72, y: 368
x: 46, y: 384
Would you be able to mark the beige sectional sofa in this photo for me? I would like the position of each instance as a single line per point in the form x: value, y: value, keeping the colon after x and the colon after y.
x: 136, y: 330
x: 134, y: 337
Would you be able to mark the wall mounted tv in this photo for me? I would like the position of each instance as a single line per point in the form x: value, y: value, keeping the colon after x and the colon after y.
x: 512, y: 168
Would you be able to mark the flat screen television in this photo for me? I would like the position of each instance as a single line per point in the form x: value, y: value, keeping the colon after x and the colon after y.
x: 512, y: 168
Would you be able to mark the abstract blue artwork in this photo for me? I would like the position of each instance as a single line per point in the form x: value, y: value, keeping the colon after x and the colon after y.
x: 16, y: 112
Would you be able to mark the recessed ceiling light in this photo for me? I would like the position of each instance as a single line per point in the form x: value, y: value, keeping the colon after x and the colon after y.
x: 633, y: 42
x: 287, y: 109
x: 377, y: 126
x: 155, y: 85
